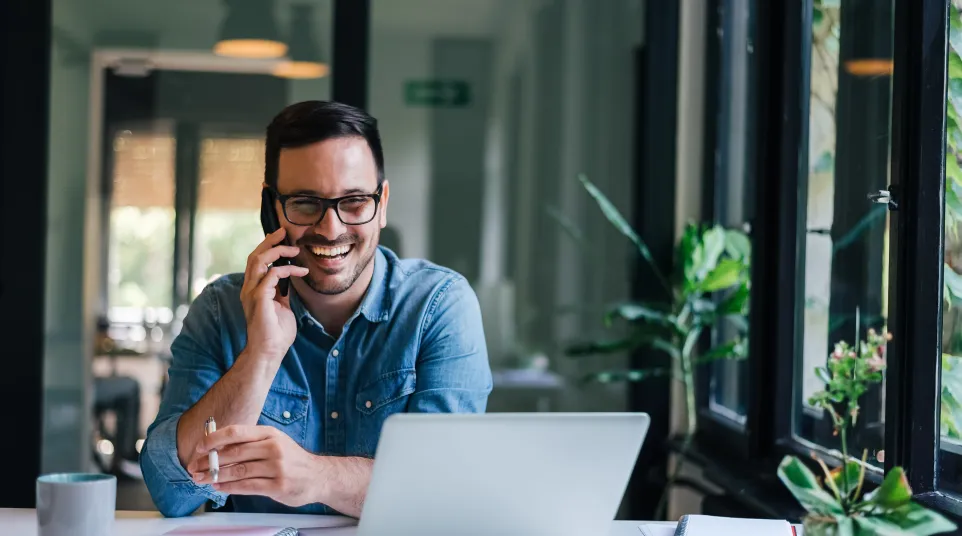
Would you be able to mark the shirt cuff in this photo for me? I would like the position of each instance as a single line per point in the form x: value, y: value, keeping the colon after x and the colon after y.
x: 161, y: 448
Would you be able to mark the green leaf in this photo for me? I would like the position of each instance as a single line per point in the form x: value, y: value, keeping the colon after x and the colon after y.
x: 634, y: 312
x: 612, y: 376
x: 948, y: 417
x: 894, y: 491
x: 950, y: 414
x: 713, y: 245
x: 622, y: 225
x: 955, y: 66
x: 738, y: 245
x: 722, y: 351
x: 817, y: 16
x: 801, y: 482
x: 952, y: 169
x: 736, y: 303
x: 954, y: 93
x: 727, y: 273
x: 852, y: 471
x: 952, y: 202
x: 955, y: 35
x: 910, y: 519
x: 689, y: 254
x: 953, y: 284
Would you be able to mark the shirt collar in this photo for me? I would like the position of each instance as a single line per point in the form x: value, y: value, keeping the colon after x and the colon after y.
x: 376, y: 302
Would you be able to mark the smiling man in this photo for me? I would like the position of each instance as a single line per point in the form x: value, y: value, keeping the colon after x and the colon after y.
x: 300, y: 385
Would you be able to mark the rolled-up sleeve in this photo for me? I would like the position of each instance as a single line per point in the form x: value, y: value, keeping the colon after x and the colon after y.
x: 195, y: 368
x: 453, y: 372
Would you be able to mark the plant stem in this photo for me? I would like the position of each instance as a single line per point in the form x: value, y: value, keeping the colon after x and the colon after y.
x: 845, y: 497
x: 689, y: 382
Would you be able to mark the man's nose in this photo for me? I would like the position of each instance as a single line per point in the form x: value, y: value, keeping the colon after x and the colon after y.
x: 330, y: 226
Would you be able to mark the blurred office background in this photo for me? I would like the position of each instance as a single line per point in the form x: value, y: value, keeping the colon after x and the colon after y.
x: 488, y: 109
x: 139, y: 182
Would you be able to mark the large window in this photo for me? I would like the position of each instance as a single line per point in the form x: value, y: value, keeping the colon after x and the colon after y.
x: 227, y: 225
x: 730, y: 172
x: 224, y: 224
x: 141, y: 246
x: 844, y: 238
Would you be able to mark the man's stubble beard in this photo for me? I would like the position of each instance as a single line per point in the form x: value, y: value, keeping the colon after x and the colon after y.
x: 320, y: 288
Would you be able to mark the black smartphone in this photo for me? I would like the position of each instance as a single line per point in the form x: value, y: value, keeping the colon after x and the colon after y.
x: 271, y: 223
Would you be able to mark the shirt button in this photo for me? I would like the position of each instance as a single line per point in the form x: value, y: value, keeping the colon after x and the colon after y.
x: 333, y: 414
x: 286, y: 414
x: 367, y: 404
x: 335, y: 352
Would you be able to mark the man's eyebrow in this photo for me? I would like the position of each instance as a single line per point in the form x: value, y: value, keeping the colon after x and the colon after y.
x: 351, y: 191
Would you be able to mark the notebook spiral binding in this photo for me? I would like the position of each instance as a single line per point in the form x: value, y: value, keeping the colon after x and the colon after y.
x: 287, y: 532
x: 682, y: 526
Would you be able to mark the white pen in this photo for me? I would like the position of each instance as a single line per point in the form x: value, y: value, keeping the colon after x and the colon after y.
x: 209, y: 428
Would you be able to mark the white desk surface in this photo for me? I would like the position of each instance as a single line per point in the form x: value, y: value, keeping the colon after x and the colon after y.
x: 23, y: 522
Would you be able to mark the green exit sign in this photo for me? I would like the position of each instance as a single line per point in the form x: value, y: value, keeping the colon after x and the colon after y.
x: 437, y: 93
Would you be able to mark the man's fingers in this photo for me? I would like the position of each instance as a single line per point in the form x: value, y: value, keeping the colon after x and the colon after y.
x: 269, y: 241
x: 261, y: 261
x: 240, y: 471
x: 241, y: 452
x: 249, y: 486
x: 234, y: 434
x: 275, y: 274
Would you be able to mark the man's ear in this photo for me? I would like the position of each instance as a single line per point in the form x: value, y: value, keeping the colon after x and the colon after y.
x: 385, y: 194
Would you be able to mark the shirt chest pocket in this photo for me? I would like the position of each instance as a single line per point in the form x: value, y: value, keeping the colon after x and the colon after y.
x: 378, y: 400
x: 286, y: 411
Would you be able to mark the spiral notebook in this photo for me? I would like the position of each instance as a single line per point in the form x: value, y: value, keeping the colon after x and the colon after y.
x: 232, y: 531
x: 699, y: 525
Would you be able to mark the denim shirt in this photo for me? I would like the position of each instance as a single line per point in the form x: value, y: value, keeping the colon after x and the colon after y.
x: 415, y: 344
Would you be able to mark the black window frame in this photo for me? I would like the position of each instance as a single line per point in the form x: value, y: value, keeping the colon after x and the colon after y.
x: 915, y: 290
x: 918, y: 179
x: 713, y: 427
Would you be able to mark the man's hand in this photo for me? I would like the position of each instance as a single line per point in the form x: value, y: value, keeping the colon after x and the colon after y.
x: 260, y: 460
x: 271, y: 326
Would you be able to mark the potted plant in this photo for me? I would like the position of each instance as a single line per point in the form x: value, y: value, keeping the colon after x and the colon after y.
x: 836, y: 504
x: 709, y: 286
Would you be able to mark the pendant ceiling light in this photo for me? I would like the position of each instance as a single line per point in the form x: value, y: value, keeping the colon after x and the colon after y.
x: 305, y: 59
x: 249, y: 31
x: 870, y: 67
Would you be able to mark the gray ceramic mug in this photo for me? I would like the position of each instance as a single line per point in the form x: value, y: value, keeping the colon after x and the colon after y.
x: 76, y: 504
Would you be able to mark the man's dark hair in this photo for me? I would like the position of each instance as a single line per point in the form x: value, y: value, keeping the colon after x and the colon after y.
x: 310, y: 122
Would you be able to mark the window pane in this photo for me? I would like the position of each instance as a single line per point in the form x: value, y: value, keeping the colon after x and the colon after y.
x: 734, y: 203
x: 845, y: 237
x: 227, y: 224
x: 141, y: 246
x: 951, y: 411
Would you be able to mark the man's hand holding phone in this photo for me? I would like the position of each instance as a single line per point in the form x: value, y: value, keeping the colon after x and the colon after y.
x: 271, y: 326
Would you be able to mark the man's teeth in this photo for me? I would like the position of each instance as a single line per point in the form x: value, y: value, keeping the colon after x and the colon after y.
x: 330, y: 252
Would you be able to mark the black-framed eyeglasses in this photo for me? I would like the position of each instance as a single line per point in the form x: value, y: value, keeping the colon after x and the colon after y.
x: 308, y: 210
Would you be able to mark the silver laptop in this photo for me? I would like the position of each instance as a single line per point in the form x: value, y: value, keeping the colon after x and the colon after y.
x: 501, y: 474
